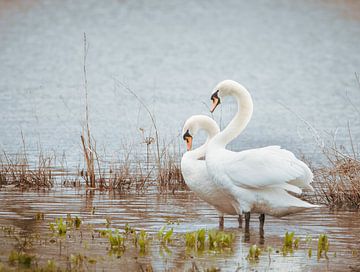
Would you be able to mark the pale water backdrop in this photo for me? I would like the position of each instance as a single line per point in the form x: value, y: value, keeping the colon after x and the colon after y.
x: 302, y: 54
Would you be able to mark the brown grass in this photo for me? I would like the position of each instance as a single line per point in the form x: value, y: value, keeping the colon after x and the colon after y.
x: 16, y: 171
x: 169, y: 176
x: 127, y: 176
x: 161, y: 167
x: 89, y: 148
x: 338, y: 184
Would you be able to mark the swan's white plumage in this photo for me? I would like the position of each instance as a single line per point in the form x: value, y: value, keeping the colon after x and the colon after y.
x: 267, y: 166
x: 256, y: 179
x: 194, y: 170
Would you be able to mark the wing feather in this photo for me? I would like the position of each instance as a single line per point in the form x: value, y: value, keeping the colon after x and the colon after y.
x: 268, y: 166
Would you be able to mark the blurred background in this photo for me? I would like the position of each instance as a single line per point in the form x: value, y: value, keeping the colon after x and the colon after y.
x: 298, y: 59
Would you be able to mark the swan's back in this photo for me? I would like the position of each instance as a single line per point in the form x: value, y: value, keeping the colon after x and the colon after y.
x: 262, y: 167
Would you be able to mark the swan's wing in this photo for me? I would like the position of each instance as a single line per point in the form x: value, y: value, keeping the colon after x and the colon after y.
x: 268, y: 166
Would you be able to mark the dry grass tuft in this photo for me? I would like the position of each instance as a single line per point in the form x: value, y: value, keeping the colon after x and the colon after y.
x: 169, y: 176
x: 17, y: 172
x: 338, y: 185
x: 125, y: 177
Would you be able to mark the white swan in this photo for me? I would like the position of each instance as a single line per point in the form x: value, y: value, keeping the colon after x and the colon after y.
x: 254, y: 180
x: 194, y: 170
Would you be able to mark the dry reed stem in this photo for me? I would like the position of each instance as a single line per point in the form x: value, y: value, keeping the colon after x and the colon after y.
x: 338, y: 185
x: 18, y: 173
x: 88, y: 148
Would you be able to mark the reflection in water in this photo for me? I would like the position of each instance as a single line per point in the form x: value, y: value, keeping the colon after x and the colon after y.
x: 152, y: 211
x: 172, y: 55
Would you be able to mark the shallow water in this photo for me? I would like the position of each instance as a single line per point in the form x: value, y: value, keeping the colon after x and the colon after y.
x: 152, y: 211
x: 302, y: 54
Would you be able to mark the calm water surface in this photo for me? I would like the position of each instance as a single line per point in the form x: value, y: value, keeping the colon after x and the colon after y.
x: 302, y: 54
x: 152, y: 211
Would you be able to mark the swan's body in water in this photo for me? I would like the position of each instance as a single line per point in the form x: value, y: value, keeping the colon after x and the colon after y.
x: 255, y: 180
x: 194, y: 170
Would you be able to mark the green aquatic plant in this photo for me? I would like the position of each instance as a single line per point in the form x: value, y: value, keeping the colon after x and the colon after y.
x: 73, y: 222
x: 201, y: 237
x: 59, y: 226
x: 165, y: 236
x: 161, y: 232
x: 116, y: 240
x: 323, y: 246
x: 254, y: 253
x: 296, y: 243
x: 49, y: 267
x: 290, y: 243
x: 288, y: 239
x: 21, y: 258
x: 39, y: 216
x: 308, y: 240
x: 143, y: 241
x: 128, y: 229
x: 191, y: 239
x: 220, y: 239
x: 196, y: 239
x: 103, y: 232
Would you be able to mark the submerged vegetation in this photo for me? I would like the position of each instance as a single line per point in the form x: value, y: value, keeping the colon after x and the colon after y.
x: 290, y: 243
x: 113, y: 243
x: 323, y: 246
x: 254, y: 253
x: 61, y: 226
x: 202, y: 239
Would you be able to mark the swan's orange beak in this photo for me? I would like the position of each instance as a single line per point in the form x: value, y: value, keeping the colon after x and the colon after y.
x: 188, y: 140
x: 215, y: 103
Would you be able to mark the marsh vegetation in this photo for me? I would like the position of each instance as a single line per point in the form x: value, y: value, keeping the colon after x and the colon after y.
x: 81, y: 191
x: 91, y: 235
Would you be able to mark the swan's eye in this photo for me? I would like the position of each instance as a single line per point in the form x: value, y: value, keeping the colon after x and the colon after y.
x: 215, y: 96
x: 186, y: 136
x: 215, y: 101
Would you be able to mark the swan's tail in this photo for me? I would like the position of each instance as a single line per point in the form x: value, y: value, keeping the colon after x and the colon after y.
x: 278, y: 202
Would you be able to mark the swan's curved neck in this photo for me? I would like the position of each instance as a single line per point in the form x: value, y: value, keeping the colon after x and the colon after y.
x: 199, y: 152
x: 211, y: 131
x: 240, y: 120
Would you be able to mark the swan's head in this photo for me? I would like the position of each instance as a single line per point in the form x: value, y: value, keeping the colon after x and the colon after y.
x: 222, y: 89
x: 196, y: 123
